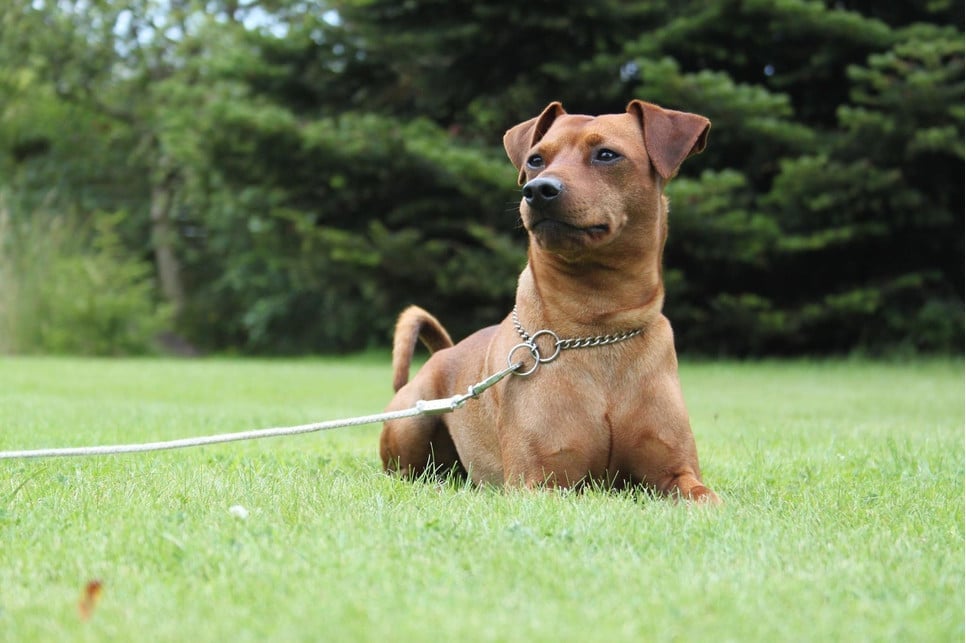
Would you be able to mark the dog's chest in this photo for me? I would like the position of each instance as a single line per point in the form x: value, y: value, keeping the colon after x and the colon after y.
x: 571, y: 418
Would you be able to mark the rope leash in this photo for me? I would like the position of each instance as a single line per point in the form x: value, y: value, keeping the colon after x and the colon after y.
x: 113, y: 449
x: 422, y: 407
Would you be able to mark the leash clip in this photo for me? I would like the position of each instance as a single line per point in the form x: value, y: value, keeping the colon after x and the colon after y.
x: 441, y: 406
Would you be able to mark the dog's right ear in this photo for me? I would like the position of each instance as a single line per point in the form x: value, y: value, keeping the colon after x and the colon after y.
x: 520, y: 138
x: 669, y: 136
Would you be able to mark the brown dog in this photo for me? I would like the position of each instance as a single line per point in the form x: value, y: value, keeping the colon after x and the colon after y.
x: 611, y: 409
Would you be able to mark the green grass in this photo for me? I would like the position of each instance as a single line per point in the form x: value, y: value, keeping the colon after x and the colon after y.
x: 843, y: 484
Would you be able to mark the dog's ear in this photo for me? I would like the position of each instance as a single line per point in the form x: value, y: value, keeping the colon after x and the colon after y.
x: 670, y: 136
x: 520, y: 138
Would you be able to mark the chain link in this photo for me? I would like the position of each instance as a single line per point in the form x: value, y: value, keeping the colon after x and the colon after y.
x: 530, y: 341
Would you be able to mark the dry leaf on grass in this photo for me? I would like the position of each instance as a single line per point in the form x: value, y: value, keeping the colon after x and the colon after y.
x: 89, y: 598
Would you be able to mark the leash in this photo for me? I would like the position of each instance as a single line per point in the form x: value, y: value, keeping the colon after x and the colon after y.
x: 422, y: 407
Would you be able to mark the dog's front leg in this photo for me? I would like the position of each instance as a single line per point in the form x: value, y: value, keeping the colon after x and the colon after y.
x: 656, y: 446
x: 687, y: 485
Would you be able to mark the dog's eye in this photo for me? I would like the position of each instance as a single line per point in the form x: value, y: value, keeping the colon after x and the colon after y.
x: 535, y: 161
x: 605, y: 155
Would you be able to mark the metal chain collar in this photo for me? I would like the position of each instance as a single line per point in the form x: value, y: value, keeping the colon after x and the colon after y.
x: 530, y: 343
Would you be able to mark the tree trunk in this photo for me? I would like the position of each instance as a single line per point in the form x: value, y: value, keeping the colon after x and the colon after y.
x: 163, y: 236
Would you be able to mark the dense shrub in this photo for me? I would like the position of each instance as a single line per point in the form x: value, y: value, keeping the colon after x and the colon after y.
x: 67, y: 287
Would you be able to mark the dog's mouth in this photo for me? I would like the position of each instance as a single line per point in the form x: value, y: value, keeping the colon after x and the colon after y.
x: 552, y: 230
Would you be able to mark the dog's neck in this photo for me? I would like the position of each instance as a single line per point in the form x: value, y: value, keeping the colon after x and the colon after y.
x: 588, y: 297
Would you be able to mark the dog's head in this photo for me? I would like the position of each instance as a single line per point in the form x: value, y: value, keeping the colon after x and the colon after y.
x: 585, y: 178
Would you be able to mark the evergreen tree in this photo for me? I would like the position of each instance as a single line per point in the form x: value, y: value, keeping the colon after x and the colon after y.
x: 799, y: 236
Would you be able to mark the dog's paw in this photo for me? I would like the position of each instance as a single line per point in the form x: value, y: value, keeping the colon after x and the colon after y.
x: 703, y: 495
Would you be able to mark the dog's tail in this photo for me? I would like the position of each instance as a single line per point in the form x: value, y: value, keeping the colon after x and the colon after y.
x: 414, y: 323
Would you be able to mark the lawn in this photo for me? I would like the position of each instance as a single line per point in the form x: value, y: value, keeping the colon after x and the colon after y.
x: 843, y: 517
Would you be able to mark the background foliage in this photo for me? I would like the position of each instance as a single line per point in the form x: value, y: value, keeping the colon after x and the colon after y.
x: 285, y: 175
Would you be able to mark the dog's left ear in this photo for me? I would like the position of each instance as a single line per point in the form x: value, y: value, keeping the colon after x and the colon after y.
x: 520, y: 138
x: 669, y: 136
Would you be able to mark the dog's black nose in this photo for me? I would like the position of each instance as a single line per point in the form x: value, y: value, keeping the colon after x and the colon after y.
x: 541, y: 191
